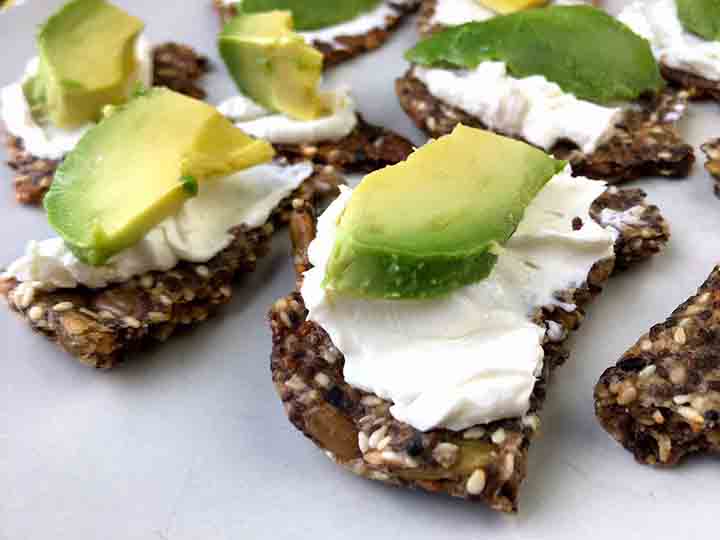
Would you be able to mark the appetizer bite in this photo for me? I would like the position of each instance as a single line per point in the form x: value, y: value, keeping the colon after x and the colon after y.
x: 572, y: 81
x: 434, y: 302
x: 685, y: 39
x: 91, y: 54
x: 340, y: 30
x: 158, y: 209
x: 278, y: 75
x: 661, y: 401
x: 436, y: 15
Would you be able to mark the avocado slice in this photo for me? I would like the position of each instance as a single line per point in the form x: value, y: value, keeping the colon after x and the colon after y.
x: 700, y: 17
x: 511, y: 6
x: 273, y: 65
x: 138, y: 166
x: 582, y: 49
x: 312, y: 14
x: 87, y: 61
x: 432, y: 224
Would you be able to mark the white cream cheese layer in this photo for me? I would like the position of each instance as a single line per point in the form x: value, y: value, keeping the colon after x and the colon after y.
x: 531, y: 108
x: 277, y: 128
x: 456, y: 12
x: 658, y: 22
x: 472, y: 356
x: 48, y: 141
x: 198, y: 232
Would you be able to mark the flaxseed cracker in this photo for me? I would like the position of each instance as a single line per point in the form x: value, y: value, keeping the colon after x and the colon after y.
x: 356, y: 430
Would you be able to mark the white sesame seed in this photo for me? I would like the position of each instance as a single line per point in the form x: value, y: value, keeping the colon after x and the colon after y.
x: 392, y: 457
x: 691, y: 415
x: 166, y: 300
x: 646, y: 345
x: 681, y: 399
x: 295, y: 383
x: 157, y: 316
x: 363, y: 443
x: 63, y: 306
x: 36, y: 313
x: 647, y: 371
x: 24, y: 295
x: 147, y: 281
x: 322, y: 379
x: 377, y: 436
x: 371, y: 401
x: 474, y: 433
x: 532, y: 421
x: 679, y: 336
x: 446, y: 454
x: 202, y: 271
x: 476, y: 483
x: 499, y: 436
x: 226, y: 291
x: 383, y: 444
x: 132, y: 322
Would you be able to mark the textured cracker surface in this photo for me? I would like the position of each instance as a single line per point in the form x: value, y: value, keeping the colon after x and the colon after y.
x: 646, y: 143
x: 355, y: 429
x: 176, y: 66
x: 101, y: 327
x: 661, y: 401
x: 712, y: 165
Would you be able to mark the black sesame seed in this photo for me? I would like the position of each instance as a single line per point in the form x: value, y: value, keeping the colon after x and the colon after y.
x: 337, y: 398
x: 633, y: 363
x: 415, y: 446
x: 577, y: 224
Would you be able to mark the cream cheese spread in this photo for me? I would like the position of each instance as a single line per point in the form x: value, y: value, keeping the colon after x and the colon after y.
x: 48, y: 141
x: 456, y: 12
x: 658, y: 22
x: 277, y: 128
x: 532, y: 108
x: 472, y: 356
x: 198, y: 232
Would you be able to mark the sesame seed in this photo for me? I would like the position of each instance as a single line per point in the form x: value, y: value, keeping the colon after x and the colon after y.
x: 371, y: 401
x: 476, y: 483
x: 499, y: 436
x: 363, y: 443
x: 147, y: 281
x: 446, y: 454
x: 24, y: 295
x: 532, y: 421
x: 188, y: 295
x: 226, y: 291
x: 646, y: 345
x: 392, y: 457
x: 681, y: 399
x: 383, y: 443
x: 691, y: 415
x: 132, y: 322
x: 678, y: 375
x: 679, y: 336
x: 647, y: 371
x: 627, y: 396
x: 157, y: 316
x: 295, y: 383
x: 474, y: 433
x: 166, y: 300
x: 322, y: 379
x: 377, y: 436
x: 36, y: 313
x: 63, y: 306
x: 202, y: 271
x: 297, y: 204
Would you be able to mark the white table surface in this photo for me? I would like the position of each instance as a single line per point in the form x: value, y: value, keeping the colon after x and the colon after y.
x: 189, y: 441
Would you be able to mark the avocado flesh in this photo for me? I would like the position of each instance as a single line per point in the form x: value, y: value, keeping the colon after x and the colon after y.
x: 511, y: 6
x: 700, y: 17
x: 582, y: 49
x: 312, y: 14
x: 274, y: 66
x: 132, y: 170
x: 87, y: 61
x: 432, y: 224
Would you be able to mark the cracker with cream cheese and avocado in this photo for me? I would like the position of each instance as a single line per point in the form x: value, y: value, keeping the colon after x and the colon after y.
x: 152, y: 228
x: 661, y: 401
x: 340, y: 32
x: 359, y: 429
x: 278, y: 76
x: 524, y: 75
x: 685, y: 39
x: 59, y: 97
x: 436, y: 15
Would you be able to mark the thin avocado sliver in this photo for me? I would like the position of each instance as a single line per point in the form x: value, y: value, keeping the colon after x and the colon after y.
x: 312, y: 14
x: 701, y: 17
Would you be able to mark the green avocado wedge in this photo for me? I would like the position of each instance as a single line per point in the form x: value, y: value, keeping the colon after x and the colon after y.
x: 138, y: 166
x: 700, y: 17
x: 312, y: 14
x: 582, y: 49
x: 431, y: 224
x: 87, y: 61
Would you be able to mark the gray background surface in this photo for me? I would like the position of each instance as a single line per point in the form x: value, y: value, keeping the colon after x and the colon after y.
x: 189, y: 441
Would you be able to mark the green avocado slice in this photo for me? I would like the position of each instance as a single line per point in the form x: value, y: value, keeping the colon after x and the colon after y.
x: 582, y: 49
x: 431, y: 224
x: 87, y: 61
x: 701, y: 17
x: 138, y: 166
x: 312, y: 14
